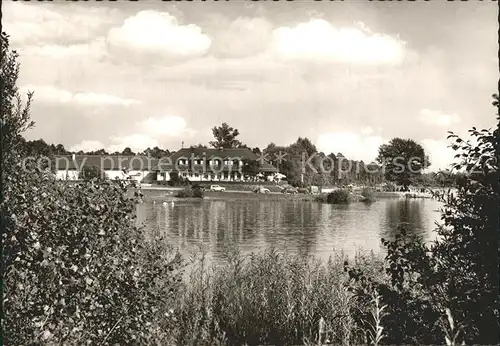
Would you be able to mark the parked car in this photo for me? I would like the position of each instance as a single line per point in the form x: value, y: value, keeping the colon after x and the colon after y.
x: 261, y: 189
x: 217, y: 188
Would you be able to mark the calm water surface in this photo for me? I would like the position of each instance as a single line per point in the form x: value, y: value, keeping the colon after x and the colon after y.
x: 310, y: 227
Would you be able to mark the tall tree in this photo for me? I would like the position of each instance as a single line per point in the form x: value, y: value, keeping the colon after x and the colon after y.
x: 225, y: 137
x: 404, y: 160
x: 251, y: 167
x: 127, y: 151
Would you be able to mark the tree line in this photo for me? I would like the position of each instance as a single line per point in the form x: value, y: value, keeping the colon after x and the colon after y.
x: 403, y: 161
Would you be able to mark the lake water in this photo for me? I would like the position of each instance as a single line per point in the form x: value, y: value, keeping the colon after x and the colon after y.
x: 298, y: 226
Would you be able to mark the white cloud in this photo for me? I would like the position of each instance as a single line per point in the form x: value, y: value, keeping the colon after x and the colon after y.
x: 87, y: 146
x: 168, y: 125
x: 159, y: 32
x: 367, y: 130
x: 437, y: 118
x: 51, y: 94
x: 94, y: 49
x: 350, y: 144
x: 153, y: 132
x: 39, y: 24
x: 440, y: 155
x: 242, y: 37
x: 137, y: 142
x: 102, y: 99
x: 320, y: 40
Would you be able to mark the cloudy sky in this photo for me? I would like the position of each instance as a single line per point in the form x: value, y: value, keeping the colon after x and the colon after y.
x: 348, y: 75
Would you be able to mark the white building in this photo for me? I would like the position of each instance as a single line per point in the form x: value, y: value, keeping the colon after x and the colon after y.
x: 71, y: 167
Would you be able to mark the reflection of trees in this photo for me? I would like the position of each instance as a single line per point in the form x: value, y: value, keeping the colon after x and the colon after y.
x: 296, y: 229
x: 248, y: 224
x: 403, y: 213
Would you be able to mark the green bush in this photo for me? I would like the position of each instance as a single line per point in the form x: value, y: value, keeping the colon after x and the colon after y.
x: 389, y: 187
x: 322, y: 198
x: 448, y: 290
x: 177, y: 180
x: 190, y: 191
x: 76, y: 269
x: 368, y: 195
x: 198, y: 193
x: 92, y: 173
x: 340, y: 196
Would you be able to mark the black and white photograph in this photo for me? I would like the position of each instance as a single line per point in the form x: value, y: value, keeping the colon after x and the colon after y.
x: 246, y: 173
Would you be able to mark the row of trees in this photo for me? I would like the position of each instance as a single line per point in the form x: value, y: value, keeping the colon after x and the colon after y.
x: 40, y: 147
x: 302, y: 164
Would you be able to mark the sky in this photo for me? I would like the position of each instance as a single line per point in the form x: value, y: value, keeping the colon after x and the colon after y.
x: 348, y: 75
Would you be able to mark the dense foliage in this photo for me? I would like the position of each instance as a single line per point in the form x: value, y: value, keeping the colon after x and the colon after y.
x: 450, y: 289
x: 76, y: 270
x: 92, y: 173
x: 340, y: 196
x: 403, y: 160
x: 251, y: 168
x: 225, y: 137
x: 195, y: 191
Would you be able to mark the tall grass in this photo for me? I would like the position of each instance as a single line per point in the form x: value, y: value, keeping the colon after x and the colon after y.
x: 270, y: 298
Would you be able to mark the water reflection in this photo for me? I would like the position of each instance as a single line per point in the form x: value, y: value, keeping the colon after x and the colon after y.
x: 299, y: 226
x: 410, y: 214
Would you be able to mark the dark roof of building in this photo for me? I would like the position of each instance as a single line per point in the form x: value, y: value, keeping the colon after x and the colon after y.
x: 105, y: 162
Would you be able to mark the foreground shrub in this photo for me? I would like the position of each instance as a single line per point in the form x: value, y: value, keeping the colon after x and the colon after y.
x: 449, y: 290
x: 340, y: 196
x: 76, y: 270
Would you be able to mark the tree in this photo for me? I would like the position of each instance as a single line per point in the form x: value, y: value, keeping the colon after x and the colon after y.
x: 256, y: 151
x: 75, y: 269
x: 305, y: 145
x: 404, y: 160
x: 225, y: 137
x: 99, y: 152
x: 251, y: 167
x: 127, y: 151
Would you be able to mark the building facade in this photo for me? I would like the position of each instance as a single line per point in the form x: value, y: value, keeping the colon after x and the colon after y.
x: 207, y: 164
x: 138, y: 168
